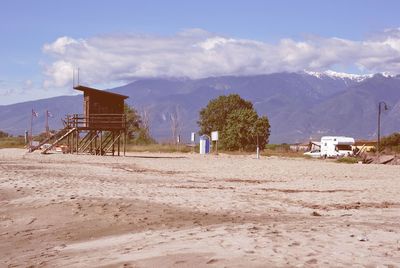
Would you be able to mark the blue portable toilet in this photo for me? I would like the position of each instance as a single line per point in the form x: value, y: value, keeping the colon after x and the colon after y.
x: 204, y: 144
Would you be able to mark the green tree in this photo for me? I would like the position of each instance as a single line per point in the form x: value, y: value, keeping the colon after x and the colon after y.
x: 261, y: 131
x: 238, y: 123
x: 137, y: 131
x: 213, y: 117
x: 237, y: 131
x: 244, y: 129
x: 133, y: 121
x: 143, y: 137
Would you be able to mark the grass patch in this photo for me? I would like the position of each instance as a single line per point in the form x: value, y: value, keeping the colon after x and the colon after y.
x: 161, y: 148
x: 279, y: 153
x: 12, y: 142
x: 347, y: 160
x: 281, y: 150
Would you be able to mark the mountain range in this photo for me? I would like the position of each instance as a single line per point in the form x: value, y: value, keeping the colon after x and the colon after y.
x: 300, y: 106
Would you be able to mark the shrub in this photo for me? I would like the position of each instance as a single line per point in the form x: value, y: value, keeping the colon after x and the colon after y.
x: 347, y: 160
x: 4, y: 134
x: 391, y: 142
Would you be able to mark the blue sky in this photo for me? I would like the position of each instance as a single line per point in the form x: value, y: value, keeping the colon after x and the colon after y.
x: 42, y: 40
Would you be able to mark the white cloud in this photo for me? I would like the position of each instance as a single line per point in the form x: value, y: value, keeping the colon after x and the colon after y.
x: 14, y: 91
x: 59, y: 46
x: 197, y: 53
x: 60, y: 73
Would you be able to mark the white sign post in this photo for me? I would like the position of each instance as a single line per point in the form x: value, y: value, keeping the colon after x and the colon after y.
x: 193, y: 140
x: 214, y: 137
x: 258, y: 149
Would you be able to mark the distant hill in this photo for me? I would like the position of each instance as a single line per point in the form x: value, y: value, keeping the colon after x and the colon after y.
x: 299, y: 105
x: 15, y: 118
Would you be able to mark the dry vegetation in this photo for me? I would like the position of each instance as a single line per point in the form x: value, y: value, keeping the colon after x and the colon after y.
x: 12, y: 142
x: 160, y: 148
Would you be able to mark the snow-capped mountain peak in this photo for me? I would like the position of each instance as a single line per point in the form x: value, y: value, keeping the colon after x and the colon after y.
x: 338, y: 75
x: 387, y: 74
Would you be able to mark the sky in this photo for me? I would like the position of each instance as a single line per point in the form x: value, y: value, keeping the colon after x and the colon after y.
x: 116, y: 42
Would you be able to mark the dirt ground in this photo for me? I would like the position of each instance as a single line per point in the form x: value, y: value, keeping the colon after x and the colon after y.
x: 187, y: 210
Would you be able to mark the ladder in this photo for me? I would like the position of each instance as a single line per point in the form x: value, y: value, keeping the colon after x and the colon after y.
x: 69, y: 132
x: 34, y: 148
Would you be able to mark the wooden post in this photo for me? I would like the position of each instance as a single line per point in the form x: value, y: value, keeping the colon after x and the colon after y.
x: 77, y: 141
x: 71, y: 145
x: 125, y: 143
x: 71, y: 138
x: 91, y: 141
x: 69, y: 142
x: 113, y: 139
x: 119, y: 141
x: 101, y: 143
x: 125, y: 133
x: 95, y: 143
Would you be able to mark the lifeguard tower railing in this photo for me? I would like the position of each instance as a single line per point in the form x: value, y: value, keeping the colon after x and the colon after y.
x: 100, y: 122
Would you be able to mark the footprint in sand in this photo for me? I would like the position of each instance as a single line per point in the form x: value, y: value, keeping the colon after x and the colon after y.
x: 32, y: 221
x: 211, y: 261
x: 312, y: 261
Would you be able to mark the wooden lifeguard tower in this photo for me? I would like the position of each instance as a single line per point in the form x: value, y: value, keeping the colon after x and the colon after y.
x: 100, y: 130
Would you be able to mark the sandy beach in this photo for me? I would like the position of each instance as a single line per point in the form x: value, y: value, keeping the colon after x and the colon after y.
x: 188, y: 210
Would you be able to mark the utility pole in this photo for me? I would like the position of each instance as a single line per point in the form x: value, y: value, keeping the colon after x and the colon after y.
x: 379, y: 124
x: 47, y: 124
x: 33, y: 114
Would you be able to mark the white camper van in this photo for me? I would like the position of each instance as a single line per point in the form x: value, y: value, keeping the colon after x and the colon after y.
x: 336, y: 146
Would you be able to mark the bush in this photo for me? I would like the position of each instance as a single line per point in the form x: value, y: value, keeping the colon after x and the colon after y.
x: 4, y: 134
x: 391, y: 142
x: 347, y: 160
x: 138, y: 131
x: 141, y: 137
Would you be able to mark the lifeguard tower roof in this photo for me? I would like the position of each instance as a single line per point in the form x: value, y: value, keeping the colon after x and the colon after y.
x: 96, y: 102
x: 91, y: 91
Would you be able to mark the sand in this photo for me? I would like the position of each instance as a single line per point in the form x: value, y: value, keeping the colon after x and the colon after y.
x: 188, y: 210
